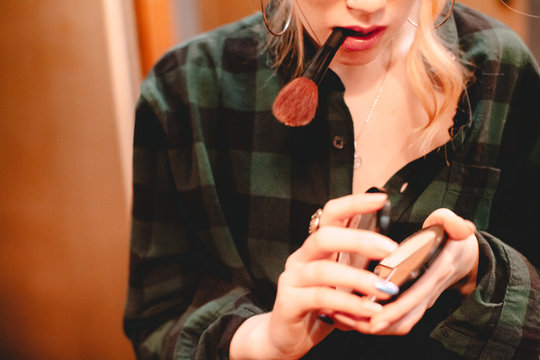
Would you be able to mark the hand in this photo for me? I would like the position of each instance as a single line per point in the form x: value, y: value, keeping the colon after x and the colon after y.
x: 308, y: 285
x: 457, y: 266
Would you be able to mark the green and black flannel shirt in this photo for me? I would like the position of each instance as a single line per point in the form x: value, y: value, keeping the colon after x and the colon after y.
x: 223, y: 194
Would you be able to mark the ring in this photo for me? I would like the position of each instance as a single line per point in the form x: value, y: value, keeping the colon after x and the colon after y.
x: 315, y: 221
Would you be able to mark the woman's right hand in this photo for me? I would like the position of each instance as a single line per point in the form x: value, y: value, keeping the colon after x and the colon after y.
x: 308, y: 285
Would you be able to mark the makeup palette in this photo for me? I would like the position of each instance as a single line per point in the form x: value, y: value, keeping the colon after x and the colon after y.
x: 412, y: 257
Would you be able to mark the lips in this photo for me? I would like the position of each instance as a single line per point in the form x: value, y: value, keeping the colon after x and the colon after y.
x: 363, y: 38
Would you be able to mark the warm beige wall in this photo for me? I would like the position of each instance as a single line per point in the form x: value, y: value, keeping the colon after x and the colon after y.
x: 155, y: 30
x: 214, y: 13
x: 64, y: 204
x: 158, y: 22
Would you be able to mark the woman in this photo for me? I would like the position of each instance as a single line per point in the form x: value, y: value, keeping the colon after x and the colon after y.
x: 437, y: 104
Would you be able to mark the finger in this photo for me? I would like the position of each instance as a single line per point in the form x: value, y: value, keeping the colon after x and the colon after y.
x: 347, y: 322
x: 456, y: 227
x: 332, y: 274
x: 338, y: 211
x: 401, y: 327
x: 295, y: 303
x: 327, y: 241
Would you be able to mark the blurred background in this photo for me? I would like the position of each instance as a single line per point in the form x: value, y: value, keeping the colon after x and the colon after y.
x: 69, y: 77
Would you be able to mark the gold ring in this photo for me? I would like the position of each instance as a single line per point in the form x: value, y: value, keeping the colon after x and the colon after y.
x: 315, y: 221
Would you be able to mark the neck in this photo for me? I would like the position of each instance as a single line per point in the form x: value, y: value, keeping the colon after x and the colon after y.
x: 361, y: 79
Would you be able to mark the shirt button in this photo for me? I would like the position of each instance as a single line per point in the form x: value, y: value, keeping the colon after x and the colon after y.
x: 339, y: 142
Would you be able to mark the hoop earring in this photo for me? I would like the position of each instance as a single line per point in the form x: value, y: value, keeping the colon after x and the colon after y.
x: 285, y: 28
x: 443, y: 20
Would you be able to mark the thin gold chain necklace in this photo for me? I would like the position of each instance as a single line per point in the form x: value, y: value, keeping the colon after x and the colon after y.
x: 357, y: 160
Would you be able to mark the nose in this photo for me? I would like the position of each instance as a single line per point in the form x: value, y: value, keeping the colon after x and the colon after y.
x: 366, y: 6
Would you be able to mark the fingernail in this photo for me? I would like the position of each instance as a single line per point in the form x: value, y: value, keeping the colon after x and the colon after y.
x: 387, y: 287
x: 326, y: 319
x: 390, y: 246
x: 376, y: 197
x: 471, y: 225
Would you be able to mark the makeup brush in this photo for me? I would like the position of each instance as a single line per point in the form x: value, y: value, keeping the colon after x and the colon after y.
x: 296, y: 104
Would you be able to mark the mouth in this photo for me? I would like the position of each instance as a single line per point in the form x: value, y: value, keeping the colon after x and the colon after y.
x: 362, y: 38
x: 363, y: 32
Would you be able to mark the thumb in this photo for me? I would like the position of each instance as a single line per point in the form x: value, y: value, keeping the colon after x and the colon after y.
x: 456, y: 227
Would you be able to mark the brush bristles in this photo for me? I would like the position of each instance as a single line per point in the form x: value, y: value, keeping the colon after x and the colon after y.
x: 296, y: 104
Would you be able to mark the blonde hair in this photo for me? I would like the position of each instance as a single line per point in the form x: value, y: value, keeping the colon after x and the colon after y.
x: 287, y: 50
x: 435, y: 74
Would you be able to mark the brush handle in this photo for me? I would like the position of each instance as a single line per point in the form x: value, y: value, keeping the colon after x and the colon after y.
x: 320, y: 62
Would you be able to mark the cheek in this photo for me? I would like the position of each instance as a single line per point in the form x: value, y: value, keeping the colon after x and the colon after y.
x: 311, y: 7
x: 315, y: 17
x: 404, y: 8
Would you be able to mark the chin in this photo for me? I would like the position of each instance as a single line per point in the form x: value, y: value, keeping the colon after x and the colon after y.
x: 362, y: 57
x: 355, y: 58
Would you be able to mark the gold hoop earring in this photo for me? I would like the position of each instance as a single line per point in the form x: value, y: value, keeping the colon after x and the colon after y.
x: 443, y: 20
x: 285, y: 27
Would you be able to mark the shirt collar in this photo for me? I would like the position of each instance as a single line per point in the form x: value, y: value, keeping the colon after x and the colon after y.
x: 449, y: 35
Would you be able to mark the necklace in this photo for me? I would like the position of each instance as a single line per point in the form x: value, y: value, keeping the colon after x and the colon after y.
x: 357, y: 162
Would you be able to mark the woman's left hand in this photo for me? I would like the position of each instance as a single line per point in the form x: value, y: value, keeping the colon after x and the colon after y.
x: 456, y: 266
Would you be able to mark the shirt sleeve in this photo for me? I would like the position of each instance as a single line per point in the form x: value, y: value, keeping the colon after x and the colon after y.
x: 183, y: 300
x: 502, y: 316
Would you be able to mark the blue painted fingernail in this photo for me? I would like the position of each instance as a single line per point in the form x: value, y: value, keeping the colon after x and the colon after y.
x: 387, y: 287
x: 327, y: 319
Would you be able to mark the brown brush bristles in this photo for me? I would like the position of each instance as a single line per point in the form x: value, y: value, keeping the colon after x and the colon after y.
x: 296, y: 104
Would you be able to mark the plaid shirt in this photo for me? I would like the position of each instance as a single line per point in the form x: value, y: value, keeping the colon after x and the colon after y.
x: 223, y: 194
